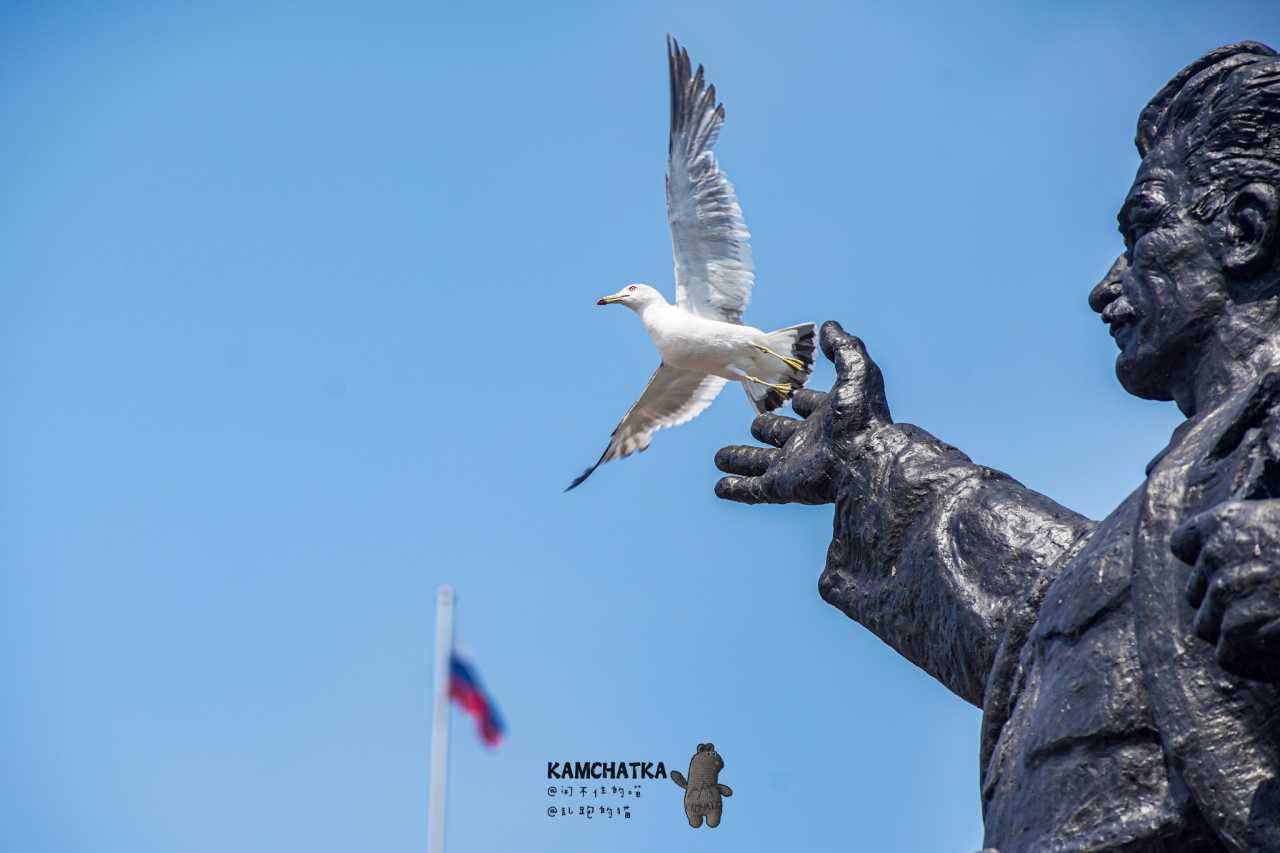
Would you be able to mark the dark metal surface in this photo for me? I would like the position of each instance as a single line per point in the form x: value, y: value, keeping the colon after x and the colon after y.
x: 1128, y: 669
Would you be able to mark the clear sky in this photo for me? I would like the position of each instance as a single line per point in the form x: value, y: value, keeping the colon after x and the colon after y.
x: 297, y: 323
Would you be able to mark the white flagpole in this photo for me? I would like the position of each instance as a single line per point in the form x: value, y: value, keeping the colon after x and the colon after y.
x: 440, y: 720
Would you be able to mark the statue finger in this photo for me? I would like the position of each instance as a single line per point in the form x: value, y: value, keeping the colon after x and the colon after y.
x: 1208, y: 618
x: 1197, y: 585
x: 1214, y: 537
x: 746, y: 490
x: 801, y: 474
x: 859, y: 389
x: 745, y: 460
x: 841, y: 348
x: 1249, y: 637
x: 774, y: 429
x: 805, y: 401
x: 1228, y: 586
x: 848, y: 353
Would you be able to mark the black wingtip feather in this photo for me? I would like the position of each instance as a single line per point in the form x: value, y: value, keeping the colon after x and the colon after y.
x: 691, y: 98
x: 581, y: 478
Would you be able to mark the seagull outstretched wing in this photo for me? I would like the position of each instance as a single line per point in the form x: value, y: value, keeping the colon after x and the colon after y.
x: 709, y: 239
x: 672, y: 397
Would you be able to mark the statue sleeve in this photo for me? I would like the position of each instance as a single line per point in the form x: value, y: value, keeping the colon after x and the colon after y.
x: 930, y: 551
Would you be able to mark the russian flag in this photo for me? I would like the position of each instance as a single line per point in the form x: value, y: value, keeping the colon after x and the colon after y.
x: 465, y: 688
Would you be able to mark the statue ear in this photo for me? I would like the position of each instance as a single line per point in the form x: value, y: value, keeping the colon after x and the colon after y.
x: 1252, y: 222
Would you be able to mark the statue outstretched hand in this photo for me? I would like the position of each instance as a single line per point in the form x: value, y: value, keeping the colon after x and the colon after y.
x: 805, y: 462
x: 1235, y: 583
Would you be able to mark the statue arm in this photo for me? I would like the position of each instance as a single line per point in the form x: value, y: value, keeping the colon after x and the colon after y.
x: 930, y: 551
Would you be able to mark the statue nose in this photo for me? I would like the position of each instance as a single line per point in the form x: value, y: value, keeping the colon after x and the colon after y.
x: 1108, y: 290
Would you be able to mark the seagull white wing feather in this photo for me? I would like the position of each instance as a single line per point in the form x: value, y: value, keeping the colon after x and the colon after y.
x: 710, y: 242
x: 672, y: 397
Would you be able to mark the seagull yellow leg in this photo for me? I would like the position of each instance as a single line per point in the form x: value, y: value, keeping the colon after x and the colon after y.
x: 793, y: 363
x: 783, y: 388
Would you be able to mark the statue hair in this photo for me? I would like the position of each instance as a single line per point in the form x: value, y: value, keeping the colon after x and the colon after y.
x: 1222, y: 112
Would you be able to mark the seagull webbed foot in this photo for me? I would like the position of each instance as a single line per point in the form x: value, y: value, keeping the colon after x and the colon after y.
x: 793, y: 363
x: 786, y: 389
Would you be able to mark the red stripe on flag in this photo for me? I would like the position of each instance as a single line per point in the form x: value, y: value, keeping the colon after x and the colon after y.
x: 477, y: 705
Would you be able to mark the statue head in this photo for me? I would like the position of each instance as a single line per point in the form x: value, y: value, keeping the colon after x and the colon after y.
x: 1199, y: 283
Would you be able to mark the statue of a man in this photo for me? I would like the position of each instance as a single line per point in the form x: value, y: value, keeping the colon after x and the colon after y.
x: 1129, y: 669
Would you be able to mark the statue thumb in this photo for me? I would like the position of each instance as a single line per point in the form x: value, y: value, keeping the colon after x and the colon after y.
x: 1188, y: 539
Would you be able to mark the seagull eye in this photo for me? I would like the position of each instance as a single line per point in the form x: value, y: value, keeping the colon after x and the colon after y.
x: 631, y: 288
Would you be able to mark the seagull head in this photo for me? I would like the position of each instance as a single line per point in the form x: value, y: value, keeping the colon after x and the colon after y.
x: 634, y: 296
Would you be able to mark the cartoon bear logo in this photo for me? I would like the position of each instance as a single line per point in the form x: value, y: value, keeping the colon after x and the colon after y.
x: 702, y: 790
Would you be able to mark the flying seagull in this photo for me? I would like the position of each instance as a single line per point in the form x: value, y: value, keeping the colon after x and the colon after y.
x: 702, y: 340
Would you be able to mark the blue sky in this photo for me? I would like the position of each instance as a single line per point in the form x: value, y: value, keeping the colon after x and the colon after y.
x: 297, y: 323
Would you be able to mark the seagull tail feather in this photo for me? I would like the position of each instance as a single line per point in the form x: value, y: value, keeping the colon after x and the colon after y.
x: 795, y: 343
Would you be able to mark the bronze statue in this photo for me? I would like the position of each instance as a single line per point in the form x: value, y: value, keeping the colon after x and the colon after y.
x: 1128, y: 669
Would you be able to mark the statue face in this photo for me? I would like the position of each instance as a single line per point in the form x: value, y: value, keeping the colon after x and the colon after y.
x: 1161, y: 297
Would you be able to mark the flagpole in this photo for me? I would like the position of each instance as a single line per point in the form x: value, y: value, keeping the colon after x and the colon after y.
x: 440, y: 720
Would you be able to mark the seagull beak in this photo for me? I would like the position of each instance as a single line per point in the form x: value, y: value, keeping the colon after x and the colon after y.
x: 605, y: 300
